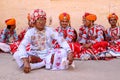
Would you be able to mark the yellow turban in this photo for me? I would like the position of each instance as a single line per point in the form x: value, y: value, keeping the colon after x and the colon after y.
x: 112, y: 15
x: 10, y: 21
x: 64, y: 16
x: 91, y: 17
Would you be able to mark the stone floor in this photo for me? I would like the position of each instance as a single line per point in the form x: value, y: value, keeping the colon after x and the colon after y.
x: 84, y: 70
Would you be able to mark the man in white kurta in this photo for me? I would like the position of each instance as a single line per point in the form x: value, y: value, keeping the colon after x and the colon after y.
x: 40, y: 37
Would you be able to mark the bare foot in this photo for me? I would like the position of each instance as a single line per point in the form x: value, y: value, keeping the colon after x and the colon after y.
x: 27, y: 67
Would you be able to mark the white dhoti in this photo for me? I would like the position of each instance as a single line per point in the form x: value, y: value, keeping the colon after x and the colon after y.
x: 60, y: 59
x: 4, y: 47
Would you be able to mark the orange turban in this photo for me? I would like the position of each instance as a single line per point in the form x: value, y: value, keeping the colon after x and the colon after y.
x: 112, y: 15
x: 91, y: 17
x: 28, y: 17
x: 64, y: 16
x: 10, y: 21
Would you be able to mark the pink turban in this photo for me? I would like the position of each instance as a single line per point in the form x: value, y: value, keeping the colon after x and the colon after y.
x: 86, y: 14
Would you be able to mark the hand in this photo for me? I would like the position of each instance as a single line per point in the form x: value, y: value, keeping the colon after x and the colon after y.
x: 87, y: 45
x: 52, y: 59
x: 94, y: 37
x: 26, y: 67
x: 112, y: 43
x: 70, y: 57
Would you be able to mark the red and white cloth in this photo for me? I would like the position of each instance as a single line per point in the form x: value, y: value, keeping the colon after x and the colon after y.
x: 114, y: 35
x: 14, y: 46
x: 95, y: 36
x: 70, y: 36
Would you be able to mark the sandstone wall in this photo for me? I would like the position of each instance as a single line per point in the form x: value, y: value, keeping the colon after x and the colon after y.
x: 76, y: 8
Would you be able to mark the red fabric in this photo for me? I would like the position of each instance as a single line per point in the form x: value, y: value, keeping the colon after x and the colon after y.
x: 15, y: 45
x: 76, y: 48
x: 34, y: 59
x: 102, y: 44
x: 100, y: 47
x: 115, y: 47
x: 21, y: 35
x: 65, y: 33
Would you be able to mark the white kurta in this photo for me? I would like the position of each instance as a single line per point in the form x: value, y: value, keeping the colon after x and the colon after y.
x: 49, y: 35
x: 41, y: 43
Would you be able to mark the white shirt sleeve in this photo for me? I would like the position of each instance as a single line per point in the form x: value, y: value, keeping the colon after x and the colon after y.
x: 23, y: 44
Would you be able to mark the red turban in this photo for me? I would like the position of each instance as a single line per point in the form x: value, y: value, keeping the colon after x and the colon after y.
x: 112, y: 15
x: 64, y: 16
x: 86, y: 14
x: 10, y: 21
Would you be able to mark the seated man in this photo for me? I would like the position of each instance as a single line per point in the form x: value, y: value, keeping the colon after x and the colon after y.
x: 113, y: 34
x: 92, y: 41
x: 8, y: 35
x: 42, y: 54
x: 14, y: 46
x: 82, y: 33
x: 66, y: 31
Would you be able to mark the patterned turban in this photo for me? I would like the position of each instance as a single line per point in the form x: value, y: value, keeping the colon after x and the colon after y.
x: 37, y: 13
x: 112, y: 15
x: 64, y: 16
x: 10, y: 21
x: 91, y: 17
